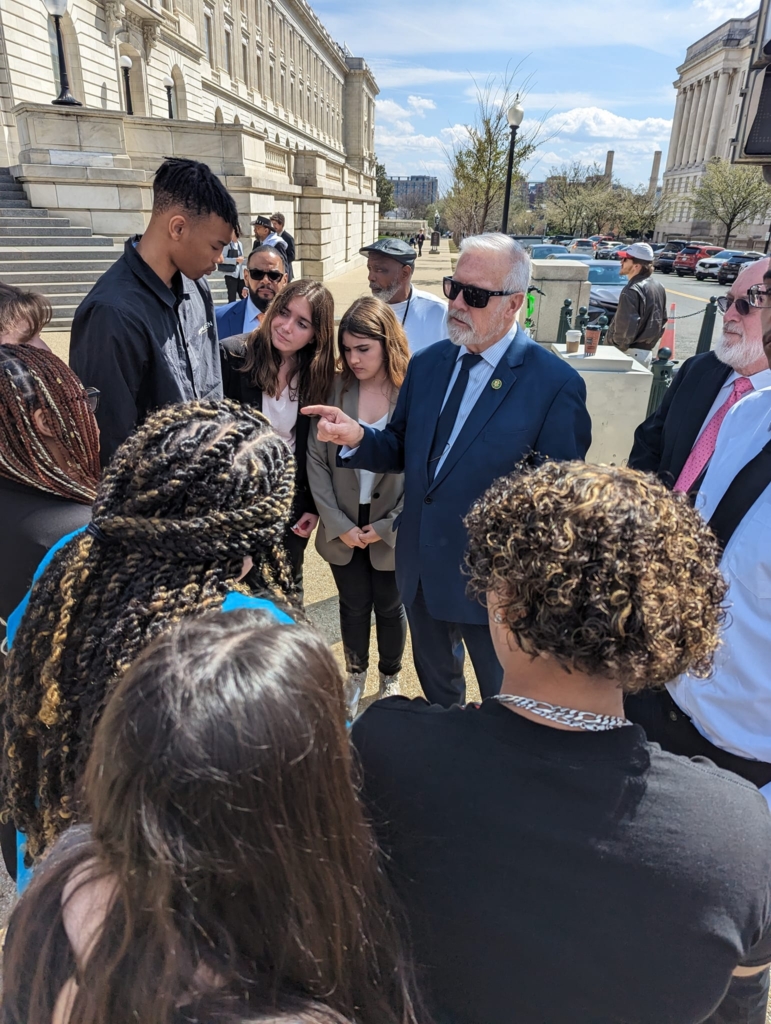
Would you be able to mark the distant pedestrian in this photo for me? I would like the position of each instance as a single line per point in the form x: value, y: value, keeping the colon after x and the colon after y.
x: 423, y: 315
x: 264, y: 234
x: 233, y: 255
x: 641, y: 315
x: 358, y: 510
x: 278, y: 221
x: 420, y: 240
x: 145, y: 335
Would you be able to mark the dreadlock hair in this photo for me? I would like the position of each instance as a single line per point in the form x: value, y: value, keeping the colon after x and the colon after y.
x: 32, y: 379
x: 194, y: 187
x: 19, y: 308
x: 198, y: 488
x: 315, y: 361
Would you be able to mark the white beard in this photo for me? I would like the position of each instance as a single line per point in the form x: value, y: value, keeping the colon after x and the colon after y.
x: 460, y: 333
x: 738, y: 352
x: 386, y: 294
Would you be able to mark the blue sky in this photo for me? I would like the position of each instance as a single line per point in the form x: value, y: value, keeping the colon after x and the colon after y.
x: 600, y: 71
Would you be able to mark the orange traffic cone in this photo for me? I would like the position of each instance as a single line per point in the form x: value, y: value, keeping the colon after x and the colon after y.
x: 668, y: 337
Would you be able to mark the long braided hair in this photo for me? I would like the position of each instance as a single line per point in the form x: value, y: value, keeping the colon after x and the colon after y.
x: 197, y: 489
x: 32, y: 379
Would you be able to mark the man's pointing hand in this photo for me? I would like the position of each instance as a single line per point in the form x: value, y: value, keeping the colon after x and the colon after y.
x: 334, y: 425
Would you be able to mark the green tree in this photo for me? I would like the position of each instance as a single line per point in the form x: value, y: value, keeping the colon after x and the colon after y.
x: 580, y: 200
x: 731, y: 195
x: 384, y: 188
x: 477, y: 164
x: 639, y: 209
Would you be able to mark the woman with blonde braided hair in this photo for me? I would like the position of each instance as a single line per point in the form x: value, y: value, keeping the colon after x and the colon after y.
x: 196, y: 498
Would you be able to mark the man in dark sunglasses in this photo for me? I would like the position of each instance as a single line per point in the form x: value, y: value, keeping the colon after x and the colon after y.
x: 666, y: 443
x: 265, y: 275
x: 469, y: 411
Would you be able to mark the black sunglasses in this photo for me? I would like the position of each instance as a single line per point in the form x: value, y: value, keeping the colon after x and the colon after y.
x: 92, y: 397
x: 724, y: 303
x: 476, y: 298
x: 258, y: 275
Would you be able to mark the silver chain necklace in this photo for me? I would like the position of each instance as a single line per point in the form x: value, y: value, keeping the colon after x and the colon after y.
x: 586, y: 720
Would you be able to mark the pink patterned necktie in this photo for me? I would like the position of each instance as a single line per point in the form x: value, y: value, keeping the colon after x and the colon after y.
x: 704, y: 448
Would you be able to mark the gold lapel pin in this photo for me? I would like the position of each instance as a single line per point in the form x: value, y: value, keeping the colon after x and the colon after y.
x: 496, y: 384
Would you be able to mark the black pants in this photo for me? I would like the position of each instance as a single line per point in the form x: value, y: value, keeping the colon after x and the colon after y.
x: 295, y: 550
x: 363, y: 588
x: 666, y: 724
x: 437, y: 649
x: 234, y: 286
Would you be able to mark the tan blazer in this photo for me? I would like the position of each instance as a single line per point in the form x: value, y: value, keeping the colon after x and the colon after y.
x: 336, y: 493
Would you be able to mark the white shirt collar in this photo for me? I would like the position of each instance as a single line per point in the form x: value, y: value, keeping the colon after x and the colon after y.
x: 494, y: 353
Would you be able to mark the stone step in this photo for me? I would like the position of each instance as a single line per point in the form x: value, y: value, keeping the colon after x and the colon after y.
x: 31, y: 213
x: 14, y: 204
x: 12, y: 192
x: 50, y: 240
x: 21, y: 219
x: 46, y: 230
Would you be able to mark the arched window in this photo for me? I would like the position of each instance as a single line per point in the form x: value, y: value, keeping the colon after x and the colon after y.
x: 179, y: 94
x: 71, y: 56
x: 137, y: 82
x: 218, y: 118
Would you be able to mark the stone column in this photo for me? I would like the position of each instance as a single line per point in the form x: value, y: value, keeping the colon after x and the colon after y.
x: 718, y: 113
x: 674, y: 139
x: 681, y: 144
x: 709, y: 107
x: 694, y: 128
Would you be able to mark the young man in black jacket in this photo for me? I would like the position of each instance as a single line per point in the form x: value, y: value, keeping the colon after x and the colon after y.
x: 641, y: 315
x: 145, y: 335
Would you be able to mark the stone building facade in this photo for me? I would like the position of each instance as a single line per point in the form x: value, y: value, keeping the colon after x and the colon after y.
x: 709, y: 95
x: 257, y: 88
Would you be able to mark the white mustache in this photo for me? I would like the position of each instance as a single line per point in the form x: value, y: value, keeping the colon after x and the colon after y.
x: 460, y: 317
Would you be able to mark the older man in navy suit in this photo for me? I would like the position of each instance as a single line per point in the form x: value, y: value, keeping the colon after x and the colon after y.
x: 265, y: 275
x: 469, y: 410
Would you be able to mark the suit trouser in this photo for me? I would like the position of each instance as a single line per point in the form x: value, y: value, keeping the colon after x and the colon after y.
x: 667, y: 724
x: 437, y: 650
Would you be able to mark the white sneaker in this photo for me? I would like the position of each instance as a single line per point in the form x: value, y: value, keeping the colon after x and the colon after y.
x: 389, y: 686
x: 354, y: 688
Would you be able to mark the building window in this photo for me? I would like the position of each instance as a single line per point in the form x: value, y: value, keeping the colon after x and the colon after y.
x: 291, y: 96
x: 245, y: 60
x: 208, y: 37
x: 283, y: 90
x: 258, y: 83
x: 273, y: 83
x: 229, y: 52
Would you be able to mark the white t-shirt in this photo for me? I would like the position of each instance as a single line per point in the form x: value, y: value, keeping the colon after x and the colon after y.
x: 366, y: 478
x: 426, y: 319
x: 282, y: 413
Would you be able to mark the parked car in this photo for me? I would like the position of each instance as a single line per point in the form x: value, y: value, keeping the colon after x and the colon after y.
x: 664, y: 260
x: 584, y: 245
x: 709, y: 267
x: 609, y: 251
x: 689, y: 256
x: 607, y: 284
x: 656, y: 246
x: 729, y: 271
x: 543, y: 252
x: 582, y: 257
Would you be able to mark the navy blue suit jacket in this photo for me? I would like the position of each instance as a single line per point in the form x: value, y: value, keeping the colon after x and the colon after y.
x: 540, y: 407
x: 230, y: 318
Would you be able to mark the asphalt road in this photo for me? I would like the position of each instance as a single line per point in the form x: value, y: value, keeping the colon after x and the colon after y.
x: 690, y: 296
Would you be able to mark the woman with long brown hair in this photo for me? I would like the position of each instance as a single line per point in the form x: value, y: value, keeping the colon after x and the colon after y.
x: 228, y: 869
x: 358, y: 509
x: 287, y: 362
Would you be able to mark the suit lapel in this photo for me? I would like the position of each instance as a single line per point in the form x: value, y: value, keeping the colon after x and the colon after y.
x: 430, y: 404
x: 486, y: 405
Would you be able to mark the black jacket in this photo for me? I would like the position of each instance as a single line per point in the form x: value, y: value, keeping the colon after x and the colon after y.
x: 664, y: 441
x: 237, y: 387
x: 641, y: 316
x: 290, y: 251
x: 33, y: 521
x: 144, y: 345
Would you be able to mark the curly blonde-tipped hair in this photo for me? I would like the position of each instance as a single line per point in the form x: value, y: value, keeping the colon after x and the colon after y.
x: 601, y: 568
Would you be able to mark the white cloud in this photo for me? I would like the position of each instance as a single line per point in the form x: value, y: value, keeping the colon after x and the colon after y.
x: 420, y: 104
x: 719, y: 10
x: 596, y: 123
x: 391, y: 74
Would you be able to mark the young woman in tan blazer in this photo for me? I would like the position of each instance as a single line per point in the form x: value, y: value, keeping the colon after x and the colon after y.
x: 358, y: 509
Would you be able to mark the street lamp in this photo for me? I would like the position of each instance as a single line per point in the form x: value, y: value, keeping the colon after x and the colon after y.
x: 126, y: 63
x: 168, y: 81
x: 58, y: 8
x: 514, y: 116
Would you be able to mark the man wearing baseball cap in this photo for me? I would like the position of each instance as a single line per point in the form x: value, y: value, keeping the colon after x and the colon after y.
x: 390, y: 263
x: 265, y: 235
x: 642, y: 306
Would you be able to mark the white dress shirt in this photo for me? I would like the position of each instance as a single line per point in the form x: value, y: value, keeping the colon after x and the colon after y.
x: 365, y: 476
x: 732, y: 708
x: 759, y: 380
x: 252, y: 317
x: 282, y: 414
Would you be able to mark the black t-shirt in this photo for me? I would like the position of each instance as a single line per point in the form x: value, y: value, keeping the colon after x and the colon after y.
x: 553, y: 877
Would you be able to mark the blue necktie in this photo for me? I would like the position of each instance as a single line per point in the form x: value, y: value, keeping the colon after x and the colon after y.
x: 446, y: 422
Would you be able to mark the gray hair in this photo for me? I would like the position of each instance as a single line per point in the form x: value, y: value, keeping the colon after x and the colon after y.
x: 518, y: 277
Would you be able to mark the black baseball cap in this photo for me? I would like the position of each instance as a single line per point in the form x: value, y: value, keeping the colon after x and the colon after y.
x: 394, y: 248
x: 263, y: 221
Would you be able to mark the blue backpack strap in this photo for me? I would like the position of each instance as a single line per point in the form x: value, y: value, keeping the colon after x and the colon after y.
x: 235, y: 601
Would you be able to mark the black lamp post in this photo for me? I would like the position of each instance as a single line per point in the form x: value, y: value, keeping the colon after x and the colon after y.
x: 126, y: 63
x: 57, y: 8
x: 168, y: 81
x: 514, y: 116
